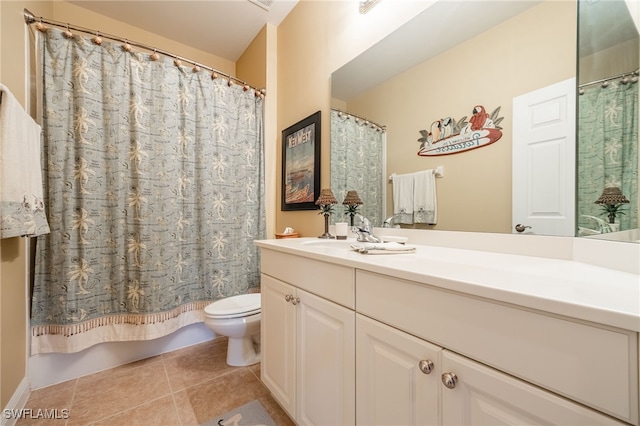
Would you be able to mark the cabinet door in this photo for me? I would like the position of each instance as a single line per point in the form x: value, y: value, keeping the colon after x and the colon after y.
x: 326, y: 362
x: 391, y: 388
x: 484, y: 396
x: 278, y: 356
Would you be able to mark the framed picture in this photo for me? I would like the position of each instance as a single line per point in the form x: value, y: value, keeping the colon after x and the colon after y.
x: 301, y: 164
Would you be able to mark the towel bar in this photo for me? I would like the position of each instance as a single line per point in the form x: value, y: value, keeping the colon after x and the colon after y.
x: 438, y: 172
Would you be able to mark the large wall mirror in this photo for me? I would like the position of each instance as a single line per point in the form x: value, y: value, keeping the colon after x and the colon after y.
x: 457, y: 55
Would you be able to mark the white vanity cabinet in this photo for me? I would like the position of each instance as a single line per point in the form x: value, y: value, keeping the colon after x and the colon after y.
x: 483, y: 396
x: 308, y: 339
x: 401, y: 379
x: 416, y: 340
x: 519, y: 366
x: 397, y: 376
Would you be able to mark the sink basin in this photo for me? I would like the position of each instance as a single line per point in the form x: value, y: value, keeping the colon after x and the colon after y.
x: 327, y: 243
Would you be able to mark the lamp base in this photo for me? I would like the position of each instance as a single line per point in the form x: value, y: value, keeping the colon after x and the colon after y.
x: 326, y: 235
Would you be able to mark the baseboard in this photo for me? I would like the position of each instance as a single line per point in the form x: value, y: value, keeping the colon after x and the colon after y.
x: 10, y: 413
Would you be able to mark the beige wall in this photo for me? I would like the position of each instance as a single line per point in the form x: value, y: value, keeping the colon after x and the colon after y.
x: 616, y: 60
x: 317, y: 38
x: 67, y: 12
x: 512, y: 58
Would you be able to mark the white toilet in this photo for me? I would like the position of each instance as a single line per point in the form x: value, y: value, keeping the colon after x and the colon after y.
x: 238, y: 318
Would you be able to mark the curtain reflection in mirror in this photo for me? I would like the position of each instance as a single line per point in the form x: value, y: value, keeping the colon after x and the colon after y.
x: 607, y: 150
x: 357, y: 163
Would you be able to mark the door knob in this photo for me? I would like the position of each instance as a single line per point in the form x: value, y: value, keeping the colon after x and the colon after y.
x: 521, y: 228
x: 449, y: 380
x: 426, y: 366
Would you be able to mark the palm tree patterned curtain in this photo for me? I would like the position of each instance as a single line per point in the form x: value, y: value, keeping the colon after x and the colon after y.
x: 608, y: 150
x: 357, y: 154
x: 154, y: 191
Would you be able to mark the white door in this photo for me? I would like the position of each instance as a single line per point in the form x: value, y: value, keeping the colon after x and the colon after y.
x: 544, y: 134
x: 278, y: 356
x: 484, y: 396
x: 393, y: 387
x: 326, y: 362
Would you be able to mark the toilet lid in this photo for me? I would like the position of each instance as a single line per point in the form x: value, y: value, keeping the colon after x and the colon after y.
x: 241, y: 305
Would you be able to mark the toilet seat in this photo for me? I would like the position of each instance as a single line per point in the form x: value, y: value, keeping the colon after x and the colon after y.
x: 242, y: 305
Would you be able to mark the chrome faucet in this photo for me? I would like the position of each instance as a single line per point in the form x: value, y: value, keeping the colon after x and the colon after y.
x: 388, y: 223
x: 364, y: 231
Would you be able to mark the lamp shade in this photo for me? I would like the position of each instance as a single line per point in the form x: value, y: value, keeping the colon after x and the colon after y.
x: 612, y: 195
x: 326, y: 197
x: 352, y: 199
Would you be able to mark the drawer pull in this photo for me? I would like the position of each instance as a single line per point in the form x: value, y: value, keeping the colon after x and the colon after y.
x: 426, y: 366
x: 449, y: 380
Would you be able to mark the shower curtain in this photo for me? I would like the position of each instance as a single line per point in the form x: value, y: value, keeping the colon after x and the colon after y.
x: 154, y: 190
x: 608, y: 150
x: 357, y: 163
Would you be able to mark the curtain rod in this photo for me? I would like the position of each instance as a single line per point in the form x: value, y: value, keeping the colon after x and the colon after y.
x: 30, y: 18
x: 632, y: 73
x: 378, y: 126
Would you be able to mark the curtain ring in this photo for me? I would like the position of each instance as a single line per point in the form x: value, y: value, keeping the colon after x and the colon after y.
x: 68, y: 33
x: 154, y: 56
x: 40, y: 26
x: 97, y: 39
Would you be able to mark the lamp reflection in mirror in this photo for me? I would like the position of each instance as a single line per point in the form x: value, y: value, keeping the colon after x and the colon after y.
x: 325, y: 202
x: 351, y: 203
x: 612, y: 200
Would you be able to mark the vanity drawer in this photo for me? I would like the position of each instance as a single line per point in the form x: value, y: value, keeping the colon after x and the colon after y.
x: 591, y: 364
x: 330, y: 281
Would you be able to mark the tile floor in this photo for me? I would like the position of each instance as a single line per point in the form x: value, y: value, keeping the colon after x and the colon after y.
x: 185, y: 387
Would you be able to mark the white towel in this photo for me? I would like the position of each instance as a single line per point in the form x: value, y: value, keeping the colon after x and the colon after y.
x: 424, y: 197
x: 403, y: 198
x: 383, y: 248
x: 21, y: 201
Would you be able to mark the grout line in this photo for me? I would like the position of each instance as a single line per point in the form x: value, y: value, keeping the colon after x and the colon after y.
x: 73, y: 399
x: 171, y: 392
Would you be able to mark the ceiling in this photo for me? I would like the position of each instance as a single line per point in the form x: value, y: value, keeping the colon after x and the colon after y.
x: 447, y: 23
x: 438, y: 28
x: 224, y: 28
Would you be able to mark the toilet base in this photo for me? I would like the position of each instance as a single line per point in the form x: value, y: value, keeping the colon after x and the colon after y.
x: 243, y: 351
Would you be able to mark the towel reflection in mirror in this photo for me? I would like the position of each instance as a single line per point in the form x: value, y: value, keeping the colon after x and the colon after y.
x: 414, y: 198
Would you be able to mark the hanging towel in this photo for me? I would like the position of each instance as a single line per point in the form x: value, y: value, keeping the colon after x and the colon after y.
x: 21, y: 201
x: 424, y: 197
x: 403, y: 198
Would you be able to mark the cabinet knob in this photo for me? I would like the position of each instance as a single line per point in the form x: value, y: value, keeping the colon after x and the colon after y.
x: 426, y: 366
x: 295, y: 300
x: 449, y: 380
x: 288, y: 297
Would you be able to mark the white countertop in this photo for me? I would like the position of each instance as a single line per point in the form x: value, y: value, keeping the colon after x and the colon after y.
x: 564, y: 287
